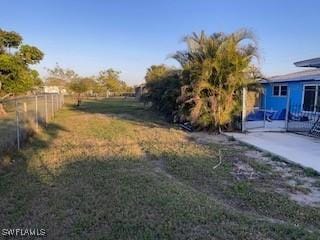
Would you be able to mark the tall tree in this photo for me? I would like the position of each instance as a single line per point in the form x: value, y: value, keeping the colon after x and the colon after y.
x: 79, y: 86
x: 60, y: 77
x: 156, y: 72
x: 29, y: 54
x: 15, y: 74
x: 215, y: 69
x: 9, y: 40
x: 110, y: 80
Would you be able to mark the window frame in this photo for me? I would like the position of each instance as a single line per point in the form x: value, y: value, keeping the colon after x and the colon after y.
x: 280, y: 87
x: 315, y: 98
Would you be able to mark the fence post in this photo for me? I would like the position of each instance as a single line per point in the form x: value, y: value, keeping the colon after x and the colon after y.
x: 36, y: 111
x: 287, y: 110
x: 265, y: 109
x: 244, y: 108
x: 52, y: 107
x: 46, y: 108
x: 57, y: 102
x: 17, y: 125
x: 25, y: 107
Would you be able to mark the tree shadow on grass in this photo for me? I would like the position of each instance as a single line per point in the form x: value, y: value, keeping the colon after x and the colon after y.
x: 121, y: 197
x: 116, y: 198
x: 8, y: 134
x: 128, y: 109
x: 11, y: 158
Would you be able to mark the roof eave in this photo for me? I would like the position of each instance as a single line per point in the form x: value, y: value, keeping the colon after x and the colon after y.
x: 289, y: 80
x: 315, y: 62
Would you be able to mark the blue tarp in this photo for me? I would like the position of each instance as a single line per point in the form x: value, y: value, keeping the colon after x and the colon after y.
x: 258, y: 115
x: 279, y: 115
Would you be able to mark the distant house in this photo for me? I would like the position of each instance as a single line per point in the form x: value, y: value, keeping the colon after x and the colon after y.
x: 140, y: 90
x: 301, y: 89
x: 53, y: 89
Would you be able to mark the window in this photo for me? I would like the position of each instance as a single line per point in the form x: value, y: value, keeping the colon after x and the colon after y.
x: 276, y: 90
x: 280, y: 90
x: 284, y: 90
x: 311, y: 98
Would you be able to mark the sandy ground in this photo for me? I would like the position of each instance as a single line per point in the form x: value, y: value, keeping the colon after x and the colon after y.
x: 303, y: 189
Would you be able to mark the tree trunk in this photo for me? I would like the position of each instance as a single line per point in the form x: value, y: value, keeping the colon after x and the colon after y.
x: 2, y: 111
x: 78, y: 100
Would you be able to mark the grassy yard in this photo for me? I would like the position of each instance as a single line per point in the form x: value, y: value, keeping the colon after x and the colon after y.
x: 113, y: 170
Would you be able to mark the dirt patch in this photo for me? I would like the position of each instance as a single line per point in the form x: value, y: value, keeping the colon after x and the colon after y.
x: 301, y: 189
x: 311, y: 199
x: 205, y: 138
x: 288, y: 179
x: 243, y: 170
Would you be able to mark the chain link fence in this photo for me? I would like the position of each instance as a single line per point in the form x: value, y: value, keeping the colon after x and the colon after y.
x: 304, y: 119
x: 22, y: 116
x: 258, y: 114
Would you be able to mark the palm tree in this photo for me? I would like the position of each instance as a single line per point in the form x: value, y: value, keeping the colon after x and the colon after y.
x: 215, y: 70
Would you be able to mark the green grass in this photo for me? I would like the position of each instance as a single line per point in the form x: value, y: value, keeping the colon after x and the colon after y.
x: 309, y: 172
x: 112, y: 169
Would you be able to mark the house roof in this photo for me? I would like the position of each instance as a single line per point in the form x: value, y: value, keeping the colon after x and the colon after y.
x: 307, y: 75
x: 314, y: 62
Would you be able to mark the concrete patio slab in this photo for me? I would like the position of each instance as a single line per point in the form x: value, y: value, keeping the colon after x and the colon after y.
x: 299, y: 149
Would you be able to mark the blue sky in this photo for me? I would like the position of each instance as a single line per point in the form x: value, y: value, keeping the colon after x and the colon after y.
x: 89, y: 36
